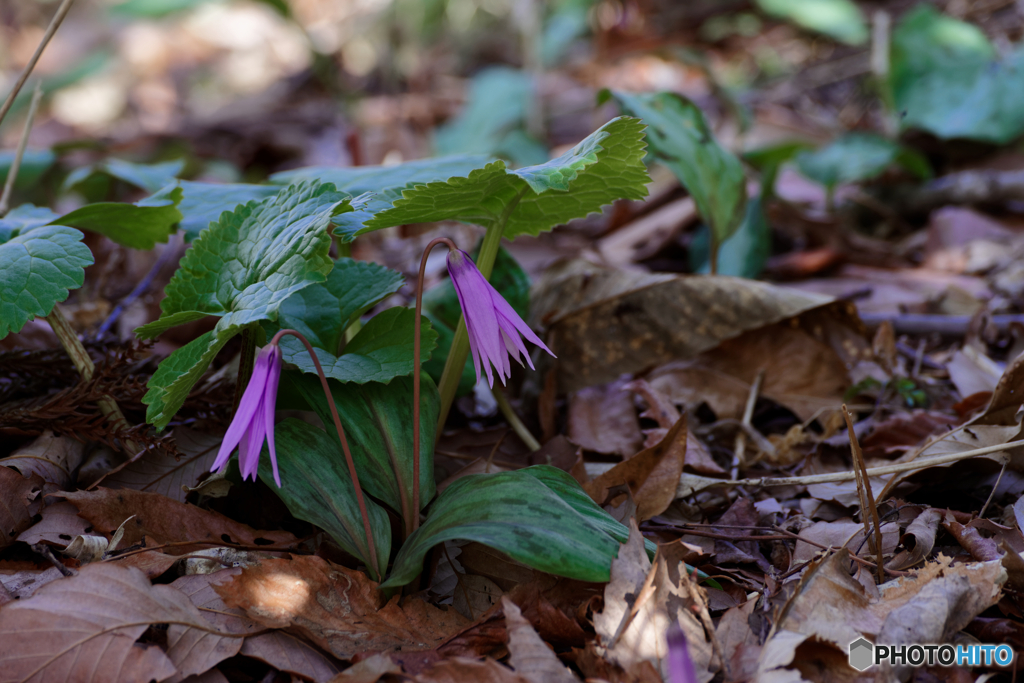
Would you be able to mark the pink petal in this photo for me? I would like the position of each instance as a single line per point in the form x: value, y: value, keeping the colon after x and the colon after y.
x: 269, y: 404
x: 475, y: 299
x: 247, y: 409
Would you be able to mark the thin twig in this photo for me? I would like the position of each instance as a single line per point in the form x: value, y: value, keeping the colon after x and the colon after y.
x: 748, y: 413
x: 12, y: 172
x: 995, y: 486
x: 50, y: 30
x: 867, y: 503
x: 699, y: 597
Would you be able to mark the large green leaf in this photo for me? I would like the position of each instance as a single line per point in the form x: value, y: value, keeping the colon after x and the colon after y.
x: 322, y: 312
x: 946, y: 79
x: 150, y: 177
x: 681, y: 139
x: 241, y: 269
x: 744, y: 253
x: 356, y: 180
x: 37, y: 270
x: 858, y: 156
x: 140, y: 225
x: 34, y: 163
x: 203, y: 203
x: 606, y: 166
x: 441, y: 305
x: 379, y: 352
x: 316, y: 487
x: 839, y: 19
x: 377, y: 419
x: 519, y: 514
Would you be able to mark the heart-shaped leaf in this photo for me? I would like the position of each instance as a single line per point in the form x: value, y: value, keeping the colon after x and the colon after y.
x: 139, y: 226
x: 519, y: 514
x: 241, y: 269
x: 317, y: 488
x: 377, y: 419
x: 37, y: 269
x: 356, y: 180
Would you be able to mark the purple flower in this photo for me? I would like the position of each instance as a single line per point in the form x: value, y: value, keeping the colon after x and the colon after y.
x: 493, y: 326
x: 680, y: 666
x: 254, y: 419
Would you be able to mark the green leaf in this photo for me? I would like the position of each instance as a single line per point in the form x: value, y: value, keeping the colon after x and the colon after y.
x: 379, y: 352
x: 498, y: 102
x: 34, y: 163
x: 377, y: 419
x: 150, y: 177
x: 681, y: 139
x: 316, y: 487
x: 21, y: 219
x: 856, y: 157
x: 248, y: 264
x: 37, y: 270
x: 203, y: 203
x: 356, y: 180
x: 153, y: 9
x: 606, y: 166
x: 441, y: 305
x: 839, y: 19
x: 139, y: 226
x: 518, y: 514
x: 322, y: 312
x: 241, y: 269
x: 173, y: 380
x: 946, y: 79
x: 745, y: 252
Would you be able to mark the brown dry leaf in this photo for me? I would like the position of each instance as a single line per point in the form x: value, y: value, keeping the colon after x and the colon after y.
x: 23, y: 583
x: 645, y: 236
x: 160, y: 472
x: 602, y: 419
x: 59, y: 526
x: 900, y: 432
x: 54, y: 458
x: 1006, y: 398
x: 972, y: 372
x: 369, y: 670
x: 19, y: 502
x: 280, y: 650
x: 483, y: 560
x: 918, y: 540
x: 833, y: 608
x: 474, y: 595
x: 166, y: 520
x: 845, y: 534
x: 661, y: 409
x: 84, y: 628
x: 337, y: 608
x: 530, y: 656
x: 652, y: 475
x: 461, y: 669
x: 980, y: 547
x: 640, y: 602
x: 604, y: 323
x: 741, y: 646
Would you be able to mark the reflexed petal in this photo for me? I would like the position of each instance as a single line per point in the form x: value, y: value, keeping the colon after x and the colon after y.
x: 475, y: 299
x: 505, y: 312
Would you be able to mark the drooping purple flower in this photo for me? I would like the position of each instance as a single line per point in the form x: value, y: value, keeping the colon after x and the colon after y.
x: 493, y: 325
x: 254, y: 419
x: 680, y: 666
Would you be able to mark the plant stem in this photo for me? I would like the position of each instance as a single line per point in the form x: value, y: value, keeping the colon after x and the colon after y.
x: 12, y: 173
x: 412, y: 519
x: 245, y: 365
x: 459, y: 351
x: 87, y: 369
x: 513, y: 419
x: 360, y: 500
x: 50, y: 30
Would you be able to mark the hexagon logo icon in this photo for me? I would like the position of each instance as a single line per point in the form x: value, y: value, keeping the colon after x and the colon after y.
x: 861, y: 654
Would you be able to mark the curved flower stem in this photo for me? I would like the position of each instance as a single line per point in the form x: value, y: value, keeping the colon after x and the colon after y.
x: 459, y: 351
x: 412, y: 521
x: 360, y: 500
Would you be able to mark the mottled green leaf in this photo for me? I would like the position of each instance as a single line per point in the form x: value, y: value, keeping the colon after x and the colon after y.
x: 377, y: 419
x: 37, y: 270
x: 839, y: 19
x: 681, y: 139
x: 520, y: 515
x: 946, y: 79
x: 606, y: 166
x: 858, y: 156
x: 316, y: 487
x: 139, y: 226
x: 356, y: 180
